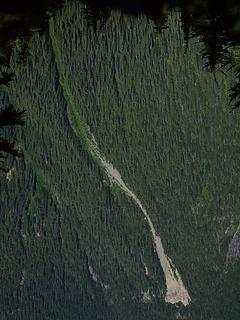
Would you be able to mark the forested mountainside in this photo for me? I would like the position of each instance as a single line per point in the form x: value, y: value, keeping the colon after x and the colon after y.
x: 74, y: 245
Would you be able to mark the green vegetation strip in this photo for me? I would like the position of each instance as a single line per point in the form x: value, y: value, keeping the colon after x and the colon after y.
x: 42, y: 184
x: 79, y: 127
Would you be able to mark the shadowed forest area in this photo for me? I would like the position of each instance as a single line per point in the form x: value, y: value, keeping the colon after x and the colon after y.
x: 19, y: 20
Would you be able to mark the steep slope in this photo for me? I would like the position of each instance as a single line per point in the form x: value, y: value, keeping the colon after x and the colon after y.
x: 76, y: 247
x: 163, y: 121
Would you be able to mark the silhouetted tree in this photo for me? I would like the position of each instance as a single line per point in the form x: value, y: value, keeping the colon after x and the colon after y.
x: 21, y: 20
x: 10, y: 116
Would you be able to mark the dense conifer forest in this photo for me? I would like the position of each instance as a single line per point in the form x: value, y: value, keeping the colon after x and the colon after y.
x: 73, y: 245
